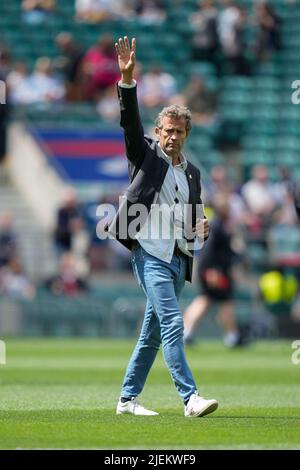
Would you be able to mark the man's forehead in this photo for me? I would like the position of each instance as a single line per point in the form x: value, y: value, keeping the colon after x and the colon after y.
x: 170, y: 121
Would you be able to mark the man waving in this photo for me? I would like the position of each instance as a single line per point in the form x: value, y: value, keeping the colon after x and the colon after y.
x: 161, y: 178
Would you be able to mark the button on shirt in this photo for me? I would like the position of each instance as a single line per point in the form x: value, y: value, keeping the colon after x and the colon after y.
x: 158, y: 239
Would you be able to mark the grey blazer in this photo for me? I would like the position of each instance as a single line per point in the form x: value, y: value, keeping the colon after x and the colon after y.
x: 147, y: 170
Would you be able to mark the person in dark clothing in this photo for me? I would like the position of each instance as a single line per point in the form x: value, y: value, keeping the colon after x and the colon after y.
x: 3, y: 117
x: 205, y: 37
x: 67, y: 218
x: 8, y: 239
x: 214, y: 272
x: 268, y: 38
x: 296, y: 191
x: 70, y: 64
x: 66, y: 281
x: 3, y: 127
x: 5, y: 67
x: 232, y: 23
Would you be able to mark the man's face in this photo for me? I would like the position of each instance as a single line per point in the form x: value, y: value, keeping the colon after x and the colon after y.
x: 172, y: 135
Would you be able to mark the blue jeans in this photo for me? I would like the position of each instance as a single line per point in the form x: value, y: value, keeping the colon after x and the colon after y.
x: 163, y: 323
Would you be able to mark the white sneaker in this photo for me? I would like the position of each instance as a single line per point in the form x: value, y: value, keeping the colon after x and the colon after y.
x: 199, y: 406
x: 231, y: 339
x: 133, y: 407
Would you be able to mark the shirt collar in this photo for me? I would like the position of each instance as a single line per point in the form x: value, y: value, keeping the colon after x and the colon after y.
x: 182, y: 164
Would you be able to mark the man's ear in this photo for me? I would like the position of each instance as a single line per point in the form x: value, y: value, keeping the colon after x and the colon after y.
x: 157, y: 129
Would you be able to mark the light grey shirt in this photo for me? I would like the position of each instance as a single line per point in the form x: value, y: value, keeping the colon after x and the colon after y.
x: 165, y: 222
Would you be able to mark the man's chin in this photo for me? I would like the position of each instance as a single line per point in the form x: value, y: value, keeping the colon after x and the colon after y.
x: 171, y: 151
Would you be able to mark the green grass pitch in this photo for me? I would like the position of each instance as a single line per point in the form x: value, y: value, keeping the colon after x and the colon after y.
x: 62, y: 394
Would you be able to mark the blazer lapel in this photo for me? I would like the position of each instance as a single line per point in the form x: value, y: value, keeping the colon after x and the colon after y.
x: 191, y: 184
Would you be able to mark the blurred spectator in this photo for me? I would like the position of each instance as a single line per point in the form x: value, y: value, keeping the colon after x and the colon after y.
x: 283, y: 195
x: 80, y: 242
x: 39, y: 87
x: 97, y: 252
x: 69, y: 64
x: 218, y: 183
x: 100, y: 67
x: 45, y: 86
x: 284, y: 183
x: 219, y: 180
x: 296, y: 194
x: 17, y: 74
x: 108, y: 106
x: 67, y: 221
x: 150, y: 11
x: 14, y: 282
x: 231, y: 24
x: 37, y: 11
x: 205, y: 38
x: 156, y: 87
x: 95, y: 11
x: 268, y: 38
x: 221, y: 184
x: 5, y: 61
x: 67, y: 282
x: 286, y: 214
x: 3, y: 119
x: 201, y: 102
x: 258, y: 194
x: 17, y: 80
x: 8, y: 239
x: 215, y: 277
x: 4, y: 106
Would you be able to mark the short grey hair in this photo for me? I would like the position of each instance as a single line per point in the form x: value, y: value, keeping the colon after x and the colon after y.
x: 175, y: 111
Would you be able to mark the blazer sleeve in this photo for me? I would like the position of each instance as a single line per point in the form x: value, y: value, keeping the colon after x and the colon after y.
x: 132, y: 125
x: 200, y: 198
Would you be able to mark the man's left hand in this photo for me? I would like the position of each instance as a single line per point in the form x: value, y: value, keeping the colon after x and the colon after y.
x: 202, y: 229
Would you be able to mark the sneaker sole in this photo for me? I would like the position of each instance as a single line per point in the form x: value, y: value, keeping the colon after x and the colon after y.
x: 210, y: 409
x: 133, y: 414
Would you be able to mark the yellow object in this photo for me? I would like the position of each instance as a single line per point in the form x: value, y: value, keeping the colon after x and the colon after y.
x: 278, y: 288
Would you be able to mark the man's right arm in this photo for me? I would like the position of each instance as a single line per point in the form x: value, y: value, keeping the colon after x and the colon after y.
x: 131, y: 123
x: 130, y: 117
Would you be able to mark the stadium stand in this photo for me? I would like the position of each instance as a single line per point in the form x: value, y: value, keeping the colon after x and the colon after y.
x: 255, y: 122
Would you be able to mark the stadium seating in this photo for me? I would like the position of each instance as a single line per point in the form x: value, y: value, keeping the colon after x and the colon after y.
x: 255, y: 115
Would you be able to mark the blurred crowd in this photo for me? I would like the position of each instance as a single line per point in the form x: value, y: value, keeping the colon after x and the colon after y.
x: 14, y: 282
x: 77, y: 74
x: 96, y: 11
x: 261, y: 211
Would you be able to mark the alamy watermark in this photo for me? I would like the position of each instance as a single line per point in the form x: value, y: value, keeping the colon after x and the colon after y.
x: 2, y: 92
x: 2, y: 353
x: 296, y: 354
x: 296, y: 95
x: 161, y: 222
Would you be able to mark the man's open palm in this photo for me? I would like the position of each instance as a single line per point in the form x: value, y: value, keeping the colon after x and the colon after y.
x: 126, y: 55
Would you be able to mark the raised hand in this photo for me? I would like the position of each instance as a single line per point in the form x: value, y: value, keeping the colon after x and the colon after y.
x: 126, y: 58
